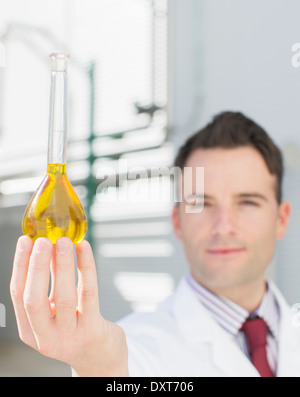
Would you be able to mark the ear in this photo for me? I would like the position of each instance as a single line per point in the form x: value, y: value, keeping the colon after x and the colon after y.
x: 284, y: 213
x: 176, y: 222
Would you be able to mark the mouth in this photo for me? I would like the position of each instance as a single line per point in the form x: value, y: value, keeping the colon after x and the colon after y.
x: 225, y: 251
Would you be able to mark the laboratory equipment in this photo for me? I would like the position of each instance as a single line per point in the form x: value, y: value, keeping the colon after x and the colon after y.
x: 55, y: 210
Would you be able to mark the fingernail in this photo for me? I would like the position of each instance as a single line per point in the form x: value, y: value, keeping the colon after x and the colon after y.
x: 42, y: 244
x: 62, y: 245
x: 24, y: 243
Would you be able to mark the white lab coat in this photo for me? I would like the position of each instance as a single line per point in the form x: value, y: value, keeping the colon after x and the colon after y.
x: 182, y: 339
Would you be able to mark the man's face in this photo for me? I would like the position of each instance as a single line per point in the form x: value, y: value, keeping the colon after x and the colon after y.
x: 232, y: 240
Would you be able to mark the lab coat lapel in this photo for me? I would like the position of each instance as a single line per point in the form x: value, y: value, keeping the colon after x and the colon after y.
x: 226, y: 356
x: 192, y: 322
x: 229, y: 357
x: 289, y: 340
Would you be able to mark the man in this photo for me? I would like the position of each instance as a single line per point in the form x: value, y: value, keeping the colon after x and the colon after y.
x: 224, y: 319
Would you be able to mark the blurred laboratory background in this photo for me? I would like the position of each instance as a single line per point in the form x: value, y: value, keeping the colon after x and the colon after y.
x: 143, y: 76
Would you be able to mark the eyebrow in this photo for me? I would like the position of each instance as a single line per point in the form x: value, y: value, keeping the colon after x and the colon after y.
x: 240, y: 195
x: 253, y: 195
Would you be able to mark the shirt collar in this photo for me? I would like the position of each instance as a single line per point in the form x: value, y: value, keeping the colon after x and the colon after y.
x: 231, y: 316
x: 269, y: 311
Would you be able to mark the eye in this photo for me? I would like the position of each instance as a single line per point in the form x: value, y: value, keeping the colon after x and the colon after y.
x: 197, y: 204
x: 249, y: 202
x: 200, y: 203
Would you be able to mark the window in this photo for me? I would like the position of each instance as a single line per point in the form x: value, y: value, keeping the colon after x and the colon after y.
x: 118, y: 123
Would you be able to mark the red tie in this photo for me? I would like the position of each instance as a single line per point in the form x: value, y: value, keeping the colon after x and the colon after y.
x: 256, y: 331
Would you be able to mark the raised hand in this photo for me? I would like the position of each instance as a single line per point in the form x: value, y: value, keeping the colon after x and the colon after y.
x: 67, y: 325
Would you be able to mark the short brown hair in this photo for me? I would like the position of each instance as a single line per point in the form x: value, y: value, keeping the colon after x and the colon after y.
x: 232, y: 130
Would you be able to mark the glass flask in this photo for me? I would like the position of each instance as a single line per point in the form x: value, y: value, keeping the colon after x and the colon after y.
x: 55, y: 210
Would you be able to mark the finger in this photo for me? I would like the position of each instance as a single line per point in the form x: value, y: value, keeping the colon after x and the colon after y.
x: 65, y: 294
x: 36, y: 290
x: 88, y: 300
x: 52, y: 274
x: 17, y: 287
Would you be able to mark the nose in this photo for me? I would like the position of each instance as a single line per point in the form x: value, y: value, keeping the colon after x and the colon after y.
x: 224, y: 221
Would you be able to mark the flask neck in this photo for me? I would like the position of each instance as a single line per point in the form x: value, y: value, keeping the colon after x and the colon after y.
x: 57, y: 137
x: 56, y: 169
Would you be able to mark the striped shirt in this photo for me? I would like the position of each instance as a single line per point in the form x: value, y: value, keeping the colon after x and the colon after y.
x: 231, y: 317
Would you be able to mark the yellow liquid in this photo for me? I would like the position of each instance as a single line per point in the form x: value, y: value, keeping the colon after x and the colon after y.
x: 55, y: 210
